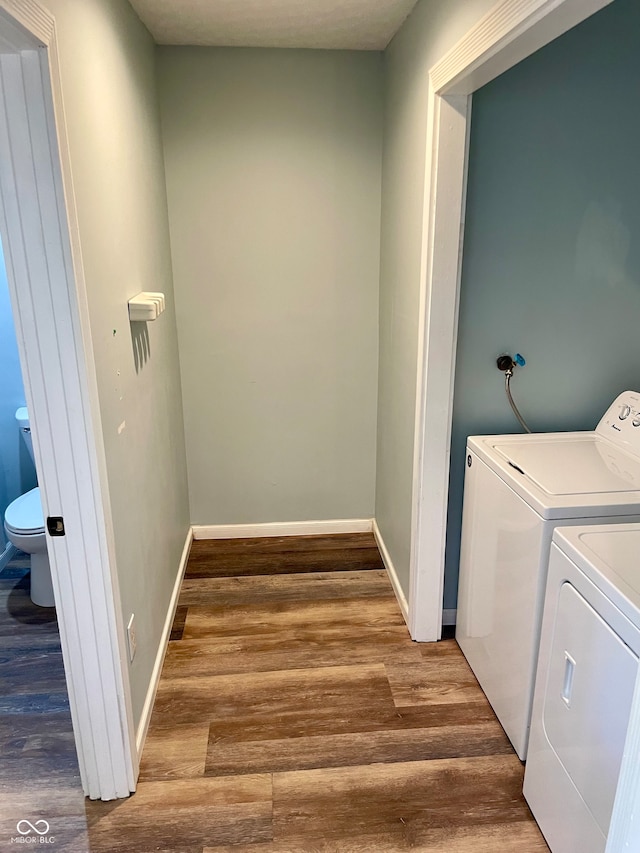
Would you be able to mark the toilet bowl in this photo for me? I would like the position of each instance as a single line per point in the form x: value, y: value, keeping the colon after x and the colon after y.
x: 24, y: 526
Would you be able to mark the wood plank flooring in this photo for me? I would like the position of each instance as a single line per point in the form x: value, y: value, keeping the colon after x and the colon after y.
x: 295, y: 715
x: 39, y: 776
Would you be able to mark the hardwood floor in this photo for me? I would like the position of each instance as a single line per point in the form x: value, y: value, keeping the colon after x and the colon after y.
x: 39, y: 776
x: 294, y: 714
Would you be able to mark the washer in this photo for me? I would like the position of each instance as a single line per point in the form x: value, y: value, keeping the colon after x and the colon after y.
x: 585, y: 683
x: 518, y: 488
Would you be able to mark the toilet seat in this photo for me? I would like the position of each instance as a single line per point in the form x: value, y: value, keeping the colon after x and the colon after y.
x: 24, y: 515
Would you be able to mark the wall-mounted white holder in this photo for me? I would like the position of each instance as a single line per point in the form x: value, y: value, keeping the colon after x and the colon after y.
x: 146, y: 306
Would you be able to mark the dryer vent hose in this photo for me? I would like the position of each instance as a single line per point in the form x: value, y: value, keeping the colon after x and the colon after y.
x: 507, y: 387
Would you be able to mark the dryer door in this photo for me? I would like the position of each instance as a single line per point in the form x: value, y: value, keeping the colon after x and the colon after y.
x: 587, y: 702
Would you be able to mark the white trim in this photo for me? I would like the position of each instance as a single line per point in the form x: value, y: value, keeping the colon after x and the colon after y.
x: 449, y: 616
x: 34, y: 18
x: 438, y: 340
x: 282, y: 528
x: 39, y: 228
x: 511, y: 31
x: 7, y: 555
x: 391, y: 572
x: 147, y: 708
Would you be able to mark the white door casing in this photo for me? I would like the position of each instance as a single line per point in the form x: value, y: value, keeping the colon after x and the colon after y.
x: 39, y: 230
x: 510, y: 32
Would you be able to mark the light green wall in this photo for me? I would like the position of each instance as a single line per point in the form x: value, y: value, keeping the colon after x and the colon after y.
x: 432, y: 29
x: 273, y: 162
x: 108, y: 79
x: 551, y: 263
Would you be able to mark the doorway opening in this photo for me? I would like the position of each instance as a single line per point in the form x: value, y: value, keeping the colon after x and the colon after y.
x: 39, y: 232
x: 507, y: 34
x: 39, y: 772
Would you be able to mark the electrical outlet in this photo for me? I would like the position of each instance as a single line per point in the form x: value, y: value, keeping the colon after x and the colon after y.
x: 131, y: 637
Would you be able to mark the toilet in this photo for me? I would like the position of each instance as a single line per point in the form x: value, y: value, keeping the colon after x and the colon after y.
x: 24, y: 525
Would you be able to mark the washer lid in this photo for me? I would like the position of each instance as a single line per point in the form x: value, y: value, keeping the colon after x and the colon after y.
x: 24, y: 515
x: 565, y: 474
x: 589, y: 465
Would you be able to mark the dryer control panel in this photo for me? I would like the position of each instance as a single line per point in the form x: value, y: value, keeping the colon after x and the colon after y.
x: 621, y: 422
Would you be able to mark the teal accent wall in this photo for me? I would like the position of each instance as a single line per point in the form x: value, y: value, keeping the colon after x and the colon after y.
x: 551, y: 264
x: 17, y: 473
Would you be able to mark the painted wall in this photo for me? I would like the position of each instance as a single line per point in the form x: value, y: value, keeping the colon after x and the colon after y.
x: 17, y: 472
x: 551, y: 262
x: 108, y: 79
x: 273, y: 162
x: 432, y: 29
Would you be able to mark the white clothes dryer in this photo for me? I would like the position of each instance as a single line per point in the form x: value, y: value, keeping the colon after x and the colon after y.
x: 585, y: 683
x: 518, y: 489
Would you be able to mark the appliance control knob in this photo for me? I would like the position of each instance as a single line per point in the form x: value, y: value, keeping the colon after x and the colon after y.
x: 636, y: 421
x: 625, y: 411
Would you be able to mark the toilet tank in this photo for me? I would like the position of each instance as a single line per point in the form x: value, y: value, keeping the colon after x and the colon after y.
x: 22, y: 417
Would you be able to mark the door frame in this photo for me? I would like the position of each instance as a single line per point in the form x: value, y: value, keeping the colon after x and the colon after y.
x: 40, y: 234
x: 510, y: 32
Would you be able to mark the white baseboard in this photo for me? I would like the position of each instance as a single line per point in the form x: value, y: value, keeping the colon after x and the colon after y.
x: 391, y: 571
x: 150, y: 698
x: 449, y: 616
x: 282, y: 528
x: 7, y: 555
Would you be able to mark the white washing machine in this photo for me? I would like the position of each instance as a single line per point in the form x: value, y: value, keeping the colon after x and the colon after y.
x: 585, y: 683
x: 518, y: 488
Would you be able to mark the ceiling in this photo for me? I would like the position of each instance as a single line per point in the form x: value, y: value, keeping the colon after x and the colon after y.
x: 329, y: 24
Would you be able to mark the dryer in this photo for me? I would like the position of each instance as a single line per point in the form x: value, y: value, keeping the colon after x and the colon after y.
x: 585, y: 682
x: 518, y: 489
